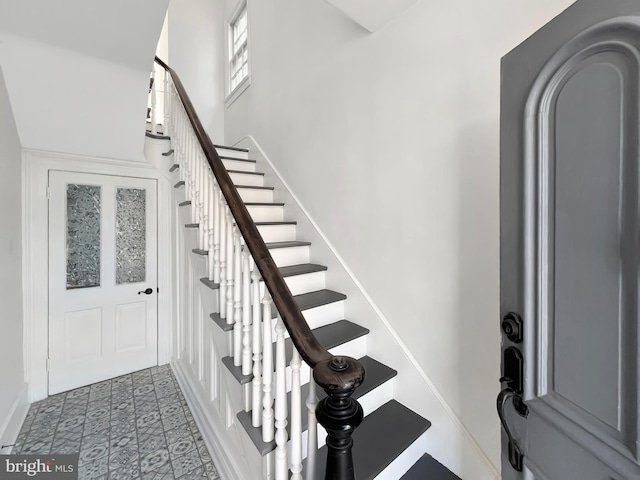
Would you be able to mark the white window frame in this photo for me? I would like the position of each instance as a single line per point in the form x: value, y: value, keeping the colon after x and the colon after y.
x: 235, y: 52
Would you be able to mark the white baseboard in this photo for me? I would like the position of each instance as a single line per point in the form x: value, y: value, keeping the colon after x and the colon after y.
x: 11, y: 425
x: 449, y: 441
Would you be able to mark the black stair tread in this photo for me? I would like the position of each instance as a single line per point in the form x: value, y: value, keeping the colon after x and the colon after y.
x: 237, y: 159
x: 383, y: 435
x: 376, y: 374
x: 254, y: 187
x: 174, y: 167
x: 179, y: 184
x: 237, y: 149
x: 264, y: 204
x: 329, y: 336
x: 318, y: 298
x: 248, y: 173
x: 199, y: 251
x: 210, y: 283
x: 295, y: 243
x: 191, y: 225
x: 293, y: 270
x: 221, y: 322
x: 185, y: 203
x: 289, y: 222
x: 429, y: 467
x: 167, y: 154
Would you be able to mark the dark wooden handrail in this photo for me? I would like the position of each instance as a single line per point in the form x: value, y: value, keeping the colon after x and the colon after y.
x: 338, y: 376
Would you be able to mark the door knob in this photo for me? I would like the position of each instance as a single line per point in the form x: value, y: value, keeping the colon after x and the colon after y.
x: 148, y: 291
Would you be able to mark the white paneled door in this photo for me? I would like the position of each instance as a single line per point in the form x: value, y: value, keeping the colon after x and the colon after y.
x: 102, y: 277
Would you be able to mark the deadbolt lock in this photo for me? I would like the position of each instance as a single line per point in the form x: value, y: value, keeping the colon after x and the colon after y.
x: 512, y: 327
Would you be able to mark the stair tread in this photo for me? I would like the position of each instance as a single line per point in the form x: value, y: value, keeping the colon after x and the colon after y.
x: 179, y: 184
x: 185, y: 203
x: 157, y: 136
x: 200, y: 251
x: 396, y: 424
x: 264, y: 204
x: 301, y: 269
x: 210, y: 283
x: 222, y: 157
x: 245, y: 172
x: 192, y: 225
x: 284, y: 222
x: 174, y: 167
x: 429, y: 467
x: 254, y: 187
x: 237, y: 149
x: 318, y: 298
x: 294, y: 243
x: 329, y: 336
x: 221, y: 322
x: 168, y: 153
x: 376, y: 374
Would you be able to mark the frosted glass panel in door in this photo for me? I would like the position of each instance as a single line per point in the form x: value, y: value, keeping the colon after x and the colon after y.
x: 83, y: 236
x: 130, y: 235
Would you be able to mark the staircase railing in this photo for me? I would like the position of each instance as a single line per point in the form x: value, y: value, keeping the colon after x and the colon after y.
x: 238, y: 260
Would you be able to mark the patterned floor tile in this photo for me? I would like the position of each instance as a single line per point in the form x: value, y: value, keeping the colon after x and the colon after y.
x: 93, y: 470
x: 154, y: 460
x: 186, y: 463
x: 134, y: 427
x: 181, y: 447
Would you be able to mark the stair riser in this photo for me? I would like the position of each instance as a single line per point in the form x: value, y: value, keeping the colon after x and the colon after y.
x: 239, y: 165
x: 223, y: 152
x: 261, y: 213
x: 256, y: 195
x: 323, y: 315
x: 247, y: 179
x: 290, y: 256
x: 402, y: 463
x: 277, y: 233
x: 308, y: 282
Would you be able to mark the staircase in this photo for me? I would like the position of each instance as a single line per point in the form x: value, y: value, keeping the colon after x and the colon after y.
x: 224, y: 392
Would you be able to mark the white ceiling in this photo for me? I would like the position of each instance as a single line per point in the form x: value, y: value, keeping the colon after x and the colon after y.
x: 114, y: 30
x: 372, y: 14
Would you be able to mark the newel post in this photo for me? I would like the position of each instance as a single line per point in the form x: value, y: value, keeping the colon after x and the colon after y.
x: 338, y: 413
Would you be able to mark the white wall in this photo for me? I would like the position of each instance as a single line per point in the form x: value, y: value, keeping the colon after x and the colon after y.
x: 77, y: 73
x: 390, y: 140
x: 12, y: 386
x: 196, y: 53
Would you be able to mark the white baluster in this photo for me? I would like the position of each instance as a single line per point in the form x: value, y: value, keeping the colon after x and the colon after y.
x: 246, y: 312
x: 166, y: 101
x: 312, y: 430
x: 267, y: 371
x: 296, y: 417
x: 281, y: 403
x: 212, y: 224
x: 217, y: 233
x: 206, y: 185
x: 223, y: 260
x: 154, y: 122
x: 202, y: 203
x: 237, y: 298
x: 230, y: 278
x: 256, y: 410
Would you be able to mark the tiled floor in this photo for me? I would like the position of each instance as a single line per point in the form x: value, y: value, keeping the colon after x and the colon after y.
x: 137, y: 426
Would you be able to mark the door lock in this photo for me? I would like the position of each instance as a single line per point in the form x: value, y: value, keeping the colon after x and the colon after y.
x: 148, y: 291
x: 512, y: 327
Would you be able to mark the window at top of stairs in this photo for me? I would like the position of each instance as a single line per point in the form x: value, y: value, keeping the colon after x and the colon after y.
x: 238, y: 50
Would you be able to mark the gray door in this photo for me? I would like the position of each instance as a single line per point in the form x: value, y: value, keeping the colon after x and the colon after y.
x: 570, y: 246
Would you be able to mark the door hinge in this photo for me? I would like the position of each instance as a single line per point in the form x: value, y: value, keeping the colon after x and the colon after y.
x: 48, y: 192
x: 48, y: 364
